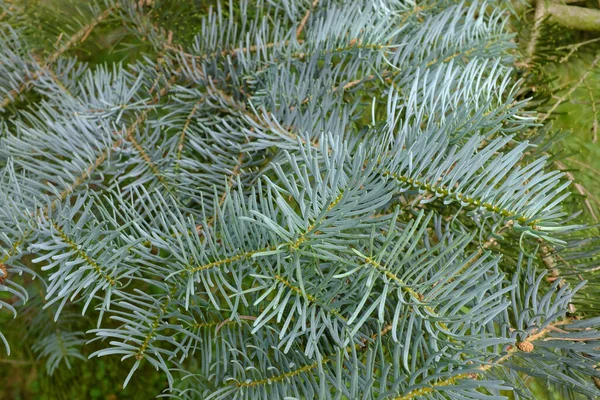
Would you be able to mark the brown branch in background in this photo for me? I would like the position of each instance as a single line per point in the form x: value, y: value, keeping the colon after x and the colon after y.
x: 305, y: 18
x: 540, y: 14
x: 580, y: 18
x: 18, y: 362
x: 58, y: 39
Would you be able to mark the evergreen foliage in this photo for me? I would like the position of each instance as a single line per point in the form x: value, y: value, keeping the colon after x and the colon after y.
x: 290, y: 199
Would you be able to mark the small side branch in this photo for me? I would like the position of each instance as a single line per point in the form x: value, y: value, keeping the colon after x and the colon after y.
x: 526, y: 346
x: 78, y: 37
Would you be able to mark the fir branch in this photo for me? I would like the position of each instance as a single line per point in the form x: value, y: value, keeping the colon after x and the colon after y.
x: 148, y: 160
x: 77, y: 249
x: 103, y: 156
x: 402, y: 285
x: 473, y: 202
x: 276, y: 287
x: 79, y: 36
x: 283, y: 376
x: 526, y: 346
x: 237, y: 257
x: 14, y: 250
x: 307, y: 368
x: 188, y: 120
x: 83, y: 178
x: 139, y: 355
x: 246, y: 255
x: 309, y: 297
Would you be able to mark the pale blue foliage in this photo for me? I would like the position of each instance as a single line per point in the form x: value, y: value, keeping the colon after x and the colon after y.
x: 264, y: 215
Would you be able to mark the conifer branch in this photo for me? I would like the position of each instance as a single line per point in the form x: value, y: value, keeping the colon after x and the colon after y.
x: 525, y: 346
x: 77, y: 249
x: 307, y: 368
x: 284, y: 376
x: 188, y: 120
x: 153, y: 328
x: 402, y: 285
x: 80, y: 36
x: 309, y: 297
x: 474, y: 202
x: 237, y: 257
x: 148, y: 160
x: 245, y: 255
x: 103, y: 156
x: 86, y: 174
x: 271, y: 142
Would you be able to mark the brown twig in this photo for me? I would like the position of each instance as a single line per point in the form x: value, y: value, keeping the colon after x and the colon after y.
x: 594, y: 113
x: 540, y: 14
x: 228, y: 320
x: 305, y: 18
